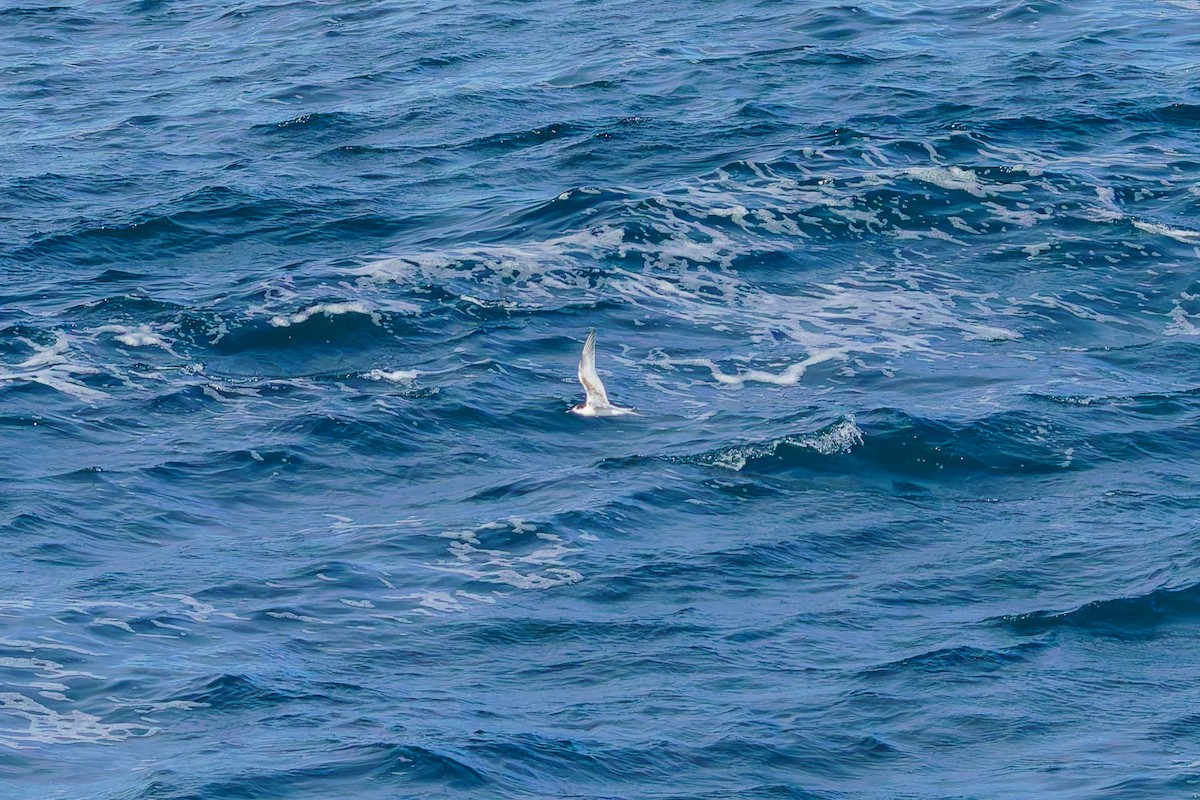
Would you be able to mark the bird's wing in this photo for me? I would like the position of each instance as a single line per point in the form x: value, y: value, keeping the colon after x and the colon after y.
x: 596, y: 396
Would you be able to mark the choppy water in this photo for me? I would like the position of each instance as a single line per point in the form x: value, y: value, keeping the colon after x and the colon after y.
x: 905, y: 293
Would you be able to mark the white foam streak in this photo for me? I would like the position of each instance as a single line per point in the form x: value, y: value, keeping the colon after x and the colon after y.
x: 988, y: 333
x: 289, y: 615
x: 543, y: 567
x: 50, y: 367
x: 47, y: 726
x: 678, y: 256
x: 788, y: 377
x: 197, y: 610
x: 328, y: 309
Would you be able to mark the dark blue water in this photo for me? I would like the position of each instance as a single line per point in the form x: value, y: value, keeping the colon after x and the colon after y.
x: 291, y: 300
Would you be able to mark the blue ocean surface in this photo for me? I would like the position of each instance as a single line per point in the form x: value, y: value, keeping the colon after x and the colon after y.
x: 292, y: 296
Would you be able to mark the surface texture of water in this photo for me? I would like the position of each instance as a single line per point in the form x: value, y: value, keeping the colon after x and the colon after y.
x: 291, y: 298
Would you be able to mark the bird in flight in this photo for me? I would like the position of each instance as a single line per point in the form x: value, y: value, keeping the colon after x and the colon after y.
x: 596, y: 403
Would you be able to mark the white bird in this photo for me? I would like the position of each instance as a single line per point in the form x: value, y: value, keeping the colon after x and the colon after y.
x: 596, y: 403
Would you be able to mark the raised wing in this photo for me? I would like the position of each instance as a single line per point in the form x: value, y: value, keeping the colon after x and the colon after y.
x: 596, y: 396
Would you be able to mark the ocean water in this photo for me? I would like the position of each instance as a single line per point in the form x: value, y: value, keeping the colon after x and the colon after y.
x: 905, y: 293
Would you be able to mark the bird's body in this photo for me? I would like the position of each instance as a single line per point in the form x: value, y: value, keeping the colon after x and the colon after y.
x: 596, y: 402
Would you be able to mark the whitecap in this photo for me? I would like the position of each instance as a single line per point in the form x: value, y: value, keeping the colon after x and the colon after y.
x: 140, y: 336
x: 1178, y: 234
x: 1181, y: 324
x: 839, y: 439
x: 964, y: 180
x: 405, y: 376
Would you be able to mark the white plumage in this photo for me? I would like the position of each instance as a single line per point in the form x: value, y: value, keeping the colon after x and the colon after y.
x: 596, y: 402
